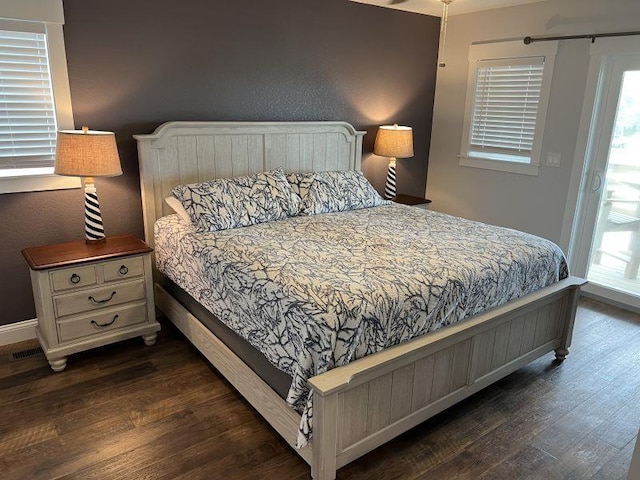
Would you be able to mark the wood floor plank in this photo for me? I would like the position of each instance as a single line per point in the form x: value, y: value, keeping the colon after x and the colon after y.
x: 153, y: 411
x: 145, y: 401
x: 622, y: 427
x: 71, y: 398
x: 586, y: 458
x: 87, y: 456
x: 528, y: 462
x: 128, y: 411
x: 37, y: 460
x: 617, y: 468
x: 596, y: 413
x: 16, y: 440
x: 128, y: 461
x: 236, y: 453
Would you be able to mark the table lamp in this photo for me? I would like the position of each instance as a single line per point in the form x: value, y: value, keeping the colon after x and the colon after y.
x: 88, y: 153
x: 395, y: 142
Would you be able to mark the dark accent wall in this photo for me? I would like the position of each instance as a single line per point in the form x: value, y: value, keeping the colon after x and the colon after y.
x: 136, y: 64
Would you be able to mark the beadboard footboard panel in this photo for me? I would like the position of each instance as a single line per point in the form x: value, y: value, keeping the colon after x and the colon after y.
x: 379, y: 397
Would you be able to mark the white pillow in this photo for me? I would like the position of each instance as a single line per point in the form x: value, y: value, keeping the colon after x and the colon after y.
x: 177, y: 207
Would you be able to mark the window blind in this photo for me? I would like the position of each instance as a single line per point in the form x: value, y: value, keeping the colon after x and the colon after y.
x: 505, y: 108
x: 27, y: 111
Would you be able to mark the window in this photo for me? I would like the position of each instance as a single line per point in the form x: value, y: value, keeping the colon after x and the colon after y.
x: 34, y: 95
x: 507, y: 96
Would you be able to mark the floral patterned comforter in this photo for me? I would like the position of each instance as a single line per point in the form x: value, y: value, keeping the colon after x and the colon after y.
x: 315, y: 292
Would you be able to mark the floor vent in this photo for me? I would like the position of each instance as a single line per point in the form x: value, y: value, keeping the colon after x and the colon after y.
x: 24, y: 354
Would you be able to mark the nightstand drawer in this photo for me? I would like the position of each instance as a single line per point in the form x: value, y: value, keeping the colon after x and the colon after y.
x: 99, y: 323
x: 68, y: 278
x: 99, y: 298
x: 124, y: 268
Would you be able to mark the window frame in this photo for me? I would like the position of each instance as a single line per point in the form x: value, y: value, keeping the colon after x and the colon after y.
x: 515, y: 50
x: 16, y: 13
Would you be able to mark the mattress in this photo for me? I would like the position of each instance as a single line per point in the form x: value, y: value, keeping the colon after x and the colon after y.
x: 315, y: 292
x: 251, y: 356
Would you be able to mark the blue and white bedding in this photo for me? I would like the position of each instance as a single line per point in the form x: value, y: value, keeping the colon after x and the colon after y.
x: 316, y: 292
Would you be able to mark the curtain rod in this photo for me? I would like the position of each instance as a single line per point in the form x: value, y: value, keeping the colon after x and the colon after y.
x: 592, y: 36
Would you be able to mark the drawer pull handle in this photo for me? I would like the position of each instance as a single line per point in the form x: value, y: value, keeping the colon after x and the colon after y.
x: 93, y: 322
x: 98, y: 302
x: 123, y: 270
x: 75, y: 278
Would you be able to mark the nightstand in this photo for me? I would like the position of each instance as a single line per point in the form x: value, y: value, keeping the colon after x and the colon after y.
x: 88, y: 295
x: 413, y: 201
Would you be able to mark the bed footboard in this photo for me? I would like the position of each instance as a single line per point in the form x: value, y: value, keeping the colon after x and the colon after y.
x: 364, y: 404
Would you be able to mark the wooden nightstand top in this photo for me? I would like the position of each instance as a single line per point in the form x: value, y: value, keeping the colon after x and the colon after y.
x: 71, y: 253
x: 410, y: 200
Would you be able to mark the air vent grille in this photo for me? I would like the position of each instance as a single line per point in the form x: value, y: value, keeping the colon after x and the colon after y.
x: 24, y: 354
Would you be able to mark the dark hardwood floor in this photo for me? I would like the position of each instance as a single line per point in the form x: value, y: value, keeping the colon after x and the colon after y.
x: 127, y: 411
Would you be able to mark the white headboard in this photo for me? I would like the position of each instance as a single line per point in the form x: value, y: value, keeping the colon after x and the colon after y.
x: 187, y: 152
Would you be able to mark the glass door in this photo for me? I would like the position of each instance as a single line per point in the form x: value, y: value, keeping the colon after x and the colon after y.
x: 611, y: 250
x: 615, y: 251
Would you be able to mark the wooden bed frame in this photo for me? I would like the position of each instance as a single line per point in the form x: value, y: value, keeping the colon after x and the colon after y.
x: 362, y: 405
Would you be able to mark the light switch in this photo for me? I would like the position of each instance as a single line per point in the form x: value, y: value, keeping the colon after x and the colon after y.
x: 553, y: 159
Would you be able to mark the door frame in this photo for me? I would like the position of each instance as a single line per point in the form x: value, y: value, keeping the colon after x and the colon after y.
x: 578, y: 220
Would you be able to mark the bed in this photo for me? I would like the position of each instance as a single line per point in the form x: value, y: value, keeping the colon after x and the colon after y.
x: 365, y: 403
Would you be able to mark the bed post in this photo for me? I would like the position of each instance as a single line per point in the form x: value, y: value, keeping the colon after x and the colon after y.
x: 570, y: 317
x: 325, y: 436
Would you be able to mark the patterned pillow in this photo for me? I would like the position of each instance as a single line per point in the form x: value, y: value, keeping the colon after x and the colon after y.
x: 337, y: 192
x: 300, y: 183
x: 238, y: 202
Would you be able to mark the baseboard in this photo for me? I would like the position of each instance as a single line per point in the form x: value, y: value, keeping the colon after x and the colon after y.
x: 610, y: 301
x: 18, y: 332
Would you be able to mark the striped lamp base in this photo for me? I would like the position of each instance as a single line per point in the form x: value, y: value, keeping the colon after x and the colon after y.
x: 390, y: 185
x: 93, y: 228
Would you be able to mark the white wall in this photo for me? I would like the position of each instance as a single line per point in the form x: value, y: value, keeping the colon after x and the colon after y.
x: 528, y: 203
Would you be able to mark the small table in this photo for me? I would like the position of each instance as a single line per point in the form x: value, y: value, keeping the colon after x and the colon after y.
x: 88, y: 295
x: 411, y: 200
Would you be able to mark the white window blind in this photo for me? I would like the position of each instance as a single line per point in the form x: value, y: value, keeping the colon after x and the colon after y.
x: 505, y: 108
x: 27, y: 110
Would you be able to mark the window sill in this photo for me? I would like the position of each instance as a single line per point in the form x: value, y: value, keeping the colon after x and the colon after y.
x: 500, y: 166
x: 37, y: 183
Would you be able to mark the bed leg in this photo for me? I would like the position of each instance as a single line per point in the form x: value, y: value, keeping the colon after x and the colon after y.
x: 325, y: 475
x: 569, y: 316
x: 325, y: 437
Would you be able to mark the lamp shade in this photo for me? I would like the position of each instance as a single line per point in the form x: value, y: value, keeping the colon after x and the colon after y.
x: 87, y: 153
x: 394, y: 141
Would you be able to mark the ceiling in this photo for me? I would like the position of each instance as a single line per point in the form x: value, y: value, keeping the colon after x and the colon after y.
x: 457, y: 7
